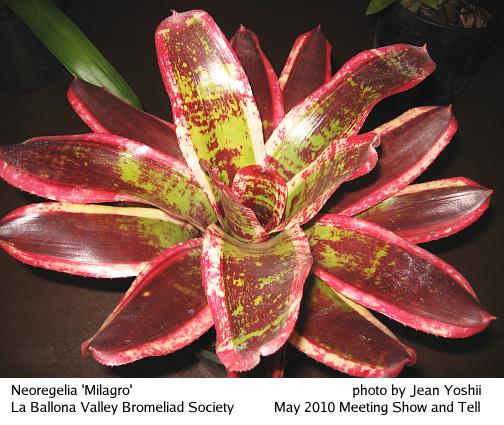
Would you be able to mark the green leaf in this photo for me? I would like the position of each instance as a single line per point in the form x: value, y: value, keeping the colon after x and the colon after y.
x: 376, y: 6
x: 433, y: 4
x: 72, y: 48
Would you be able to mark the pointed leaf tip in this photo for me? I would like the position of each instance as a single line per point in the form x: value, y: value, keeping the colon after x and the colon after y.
x: 339, y: 107
x: 307, y: 67
x: 378, y: 269
x: 408, y: 145
x: 93, y: 168
x: 90, y: 240
x: 262, y: 77
x: 428, y: 211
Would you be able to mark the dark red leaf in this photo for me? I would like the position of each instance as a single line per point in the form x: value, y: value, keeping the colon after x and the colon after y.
x: 164, y: 310
x: 408, y: 145
x: 307, y: 68
x: 90, y: 240
x: 428, y: 211
x: 91, y: 168
x: 339, y: 107
x: 378, y: 269
x: 105, y: 113
x: 345, y: 336
x: 262, y: 78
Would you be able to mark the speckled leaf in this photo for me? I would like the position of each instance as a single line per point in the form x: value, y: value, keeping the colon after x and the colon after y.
x: 339, y: 107
x: 90, y: 240
x: 408, y: 145
x: 254, y: 291
x: 345, y: 336
x: 105, y: 113
x: 170, y: 300
x: 213, y: 107
x: 307, y: 68
x: 428, y: 211
x: 262, y: 190
x: 309, y: 190
x: 92, y: 168
x: 262, y: 79
x: 237, y: 218
x: 378, y: 269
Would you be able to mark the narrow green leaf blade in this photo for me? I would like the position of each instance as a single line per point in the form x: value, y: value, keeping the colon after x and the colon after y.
x: 72, y: 48
x: 376, y: 6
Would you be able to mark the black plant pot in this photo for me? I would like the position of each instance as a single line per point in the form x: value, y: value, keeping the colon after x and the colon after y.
x: 25, y: 63
x: 457, y: 52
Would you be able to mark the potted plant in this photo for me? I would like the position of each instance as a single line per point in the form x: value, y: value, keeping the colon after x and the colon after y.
x: 231, y: 236
x: 458, y: 33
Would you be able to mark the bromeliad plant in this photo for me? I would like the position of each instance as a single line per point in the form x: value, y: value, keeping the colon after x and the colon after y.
x: 222, y: 243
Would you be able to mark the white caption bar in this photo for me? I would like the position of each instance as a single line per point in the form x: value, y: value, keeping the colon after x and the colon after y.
x: 226, y: 401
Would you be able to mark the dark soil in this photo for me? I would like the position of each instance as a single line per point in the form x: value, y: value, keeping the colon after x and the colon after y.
x: 456, y: 13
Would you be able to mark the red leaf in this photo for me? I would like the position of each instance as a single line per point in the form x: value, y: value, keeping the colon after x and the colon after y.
x: 428, y: 211
x: 169, y: 299
x: 307, y: 68
x: 213, y: 107
x: 262, y: 78
x: 254, y: 291
x: 237, y: 219
x: 91, y: 168
x: 345, y: 336
x: 90, y: 240
x: 382, y: 271
x: 339, y: 107
x: 105, y: 113
x: 262, y: 190
x: 408, y: 145
x: 309, y: 190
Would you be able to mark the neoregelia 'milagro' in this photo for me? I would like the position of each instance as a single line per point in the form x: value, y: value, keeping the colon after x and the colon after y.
x: 250, y: 160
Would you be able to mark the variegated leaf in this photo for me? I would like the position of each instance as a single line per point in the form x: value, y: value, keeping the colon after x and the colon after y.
x: 213, y: 107
x: 307, y: 68
x: 339, y: 107
x: 91, y: 168
x: 345, y: 336
x: 169, y: 299
x: 254, y: 291
x: 378, y: 269
x: 309, y: 190
x: 262, y: 78
x: 90, y: 240
x: 262, y: 190
x: 408, y: 145
x: 237, y: 218
x: 105, y: 113
x: 428, y: 211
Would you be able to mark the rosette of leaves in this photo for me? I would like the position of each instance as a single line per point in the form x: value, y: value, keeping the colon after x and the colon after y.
x: 231, y: 234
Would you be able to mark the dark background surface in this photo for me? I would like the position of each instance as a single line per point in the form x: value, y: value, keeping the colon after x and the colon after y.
x: 44, y: 316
